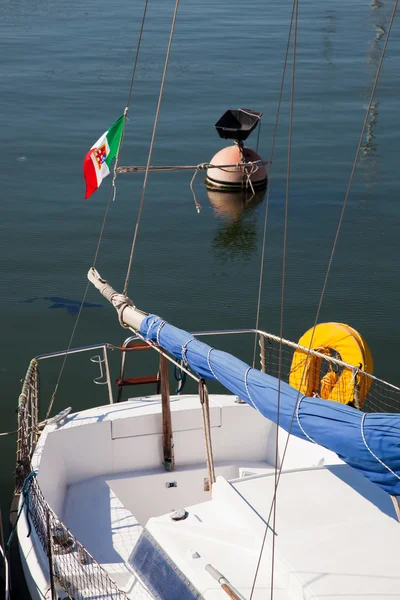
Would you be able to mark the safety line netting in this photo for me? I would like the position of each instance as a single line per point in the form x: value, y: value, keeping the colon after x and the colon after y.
x: 74, y: 568
x: 323, y: 374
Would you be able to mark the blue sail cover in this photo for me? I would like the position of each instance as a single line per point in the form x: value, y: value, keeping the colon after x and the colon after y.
x: 369, y: 443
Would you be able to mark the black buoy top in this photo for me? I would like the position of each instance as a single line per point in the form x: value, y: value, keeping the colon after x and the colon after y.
x: 237, y: 124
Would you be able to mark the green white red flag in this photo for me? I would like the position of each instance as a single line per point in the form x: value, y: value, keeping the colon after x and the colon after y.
x: 97, y: 161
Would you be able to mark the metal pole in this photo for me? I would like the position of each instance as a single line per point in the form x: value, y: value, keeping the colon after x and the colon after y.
x: 224, y: 583
x: 106, y: 365
x: 168, y: 443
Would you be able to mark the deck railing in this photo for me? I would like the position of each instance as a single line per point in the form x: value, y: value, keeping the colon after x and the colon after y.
x: 71, y: 565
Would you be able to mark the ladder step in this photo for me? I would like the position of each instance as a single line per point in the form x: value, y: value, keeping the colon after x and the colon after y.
x: 121, y: 382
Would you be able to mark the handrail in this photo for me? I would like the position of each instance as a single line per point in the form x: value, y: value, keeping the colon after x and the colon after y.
x: 276, y: 338
x: 71, y: 351
x: 103, y: 347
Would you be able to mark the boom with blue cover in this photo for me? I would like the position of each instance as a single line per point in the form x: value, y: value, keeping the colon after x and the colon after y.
x: 369, y: 443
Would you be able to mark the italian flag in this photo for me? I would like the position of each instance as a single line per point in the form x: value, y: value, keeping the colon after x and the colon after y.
x: 97, y: 161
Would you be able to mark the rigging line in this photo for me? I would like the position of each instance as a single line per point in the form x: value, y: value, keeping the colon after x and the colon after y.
x: 289, y: 164
x: 373, y: 90
x: 128, y: 102
x: 53, y: 396
x: 137, y: 54
x: 200, y: 167
x: 260, y: 284
x: 354, y: 166
x: 334, y: 246
x: 110, y: 195
x: 258, y: 135
x: 60, y: 374
x: 295, y: 18
x: 128, y: 272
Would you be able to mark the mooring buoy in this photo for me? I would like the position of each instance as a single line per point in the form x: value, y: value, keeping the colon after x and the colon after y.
x: 237, y: 167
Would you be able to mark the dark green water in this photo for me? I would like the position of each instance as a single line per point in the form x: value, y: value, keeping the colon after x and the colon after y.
x: 65, y: 74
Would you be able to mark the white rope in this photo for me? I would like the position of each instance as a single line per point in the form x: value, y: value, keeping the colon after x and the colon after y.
x: 298, y: 421
x: 196, y: 202
x: 209, y: 363
x: 152, y: 322
x: 250, y: 114
x: 161, y: 325
x: 247, y: 389
x: 370, y: 451
x: 184, y: 350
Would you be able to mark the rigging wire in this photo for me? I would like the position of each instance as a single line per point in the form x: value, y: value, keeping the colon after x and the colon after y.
x: 110, y: 195
x: 171, y: 35
x: 295, y: 11
x: 289, y: 164
x: 378, y: 71
x: 379, y: 68
x: 260, y: 283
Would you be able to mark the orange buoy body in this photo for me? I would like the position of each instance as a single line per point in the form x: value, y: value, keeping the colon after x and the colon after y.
x: 239, y: 176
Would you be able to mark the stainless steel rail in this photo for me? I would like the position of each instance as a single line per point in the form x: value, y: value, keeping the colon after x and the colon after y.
x: 102, y: 347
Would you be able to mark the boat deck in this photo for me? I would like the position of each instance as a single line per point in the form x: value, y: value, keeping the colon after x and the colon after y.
x: 227, y: 530
x: 121, y: 491
x: 107, y: 514
x: 330, y: 541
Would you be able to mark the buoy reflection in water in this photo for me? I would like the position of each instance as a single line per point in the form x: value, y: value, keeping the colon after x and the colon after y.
x: 236, y: 237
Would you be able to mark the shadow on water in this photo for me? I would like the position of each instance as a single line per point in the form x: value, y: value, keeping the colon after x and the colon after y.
x: 236, y: 237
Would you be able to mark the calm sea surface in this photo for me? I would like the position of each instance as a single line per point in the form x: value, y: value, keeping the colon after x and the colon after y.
x: 65, y: 75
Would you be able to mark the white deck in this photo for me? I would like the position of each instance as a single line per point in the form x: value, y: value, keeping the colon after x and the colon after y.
x: 101, y: 471
x: 336, y: 537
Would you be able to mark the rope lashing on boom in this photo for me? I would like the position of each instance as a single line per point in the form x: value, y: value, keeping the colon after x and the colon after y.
x: 185, y: 348
x: 119, y: 301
